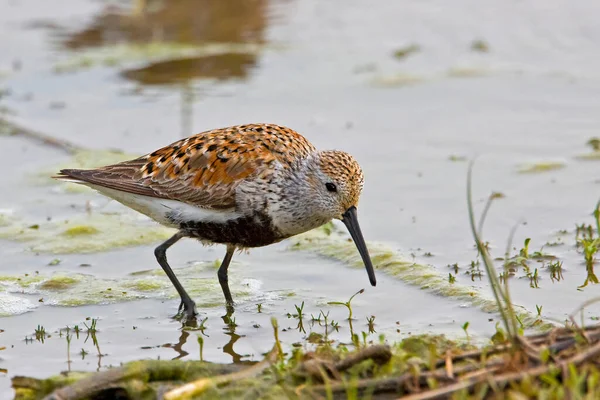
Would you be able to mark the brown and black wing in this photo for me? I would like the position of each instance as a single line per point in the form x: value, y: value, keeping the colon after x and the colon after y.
x: 204, y: 169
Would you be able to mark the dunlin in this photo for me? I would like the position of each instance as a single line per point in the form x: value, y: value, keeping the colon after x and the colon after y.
x: 243, y: 186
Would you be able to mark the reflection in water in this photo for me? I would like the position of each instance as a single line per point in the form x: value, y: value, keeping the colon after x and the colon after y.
x: 178, y: 347
x: 191, y: 22
x: 182, y: 71
x: 3, y: 370
x: 220, y: 67
x: 229, y: 330
x: 175, y: 23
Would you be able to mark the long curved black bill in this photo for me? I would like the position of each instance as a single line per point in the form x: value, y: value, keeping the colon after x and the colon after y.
x: 350, y: 219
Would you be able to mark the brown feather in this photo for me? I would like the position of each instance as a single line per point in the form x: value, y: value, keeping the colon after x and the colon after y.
x: 204, y: 169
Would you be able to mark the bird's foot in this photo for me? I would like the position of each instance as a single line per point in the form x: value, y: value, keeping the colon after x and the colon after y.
x: 187, y: 312
x: 229, y: 309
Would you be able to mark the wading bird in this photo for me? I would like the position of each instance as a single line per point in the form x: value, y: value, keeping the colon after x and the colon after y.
x: 243, y: 186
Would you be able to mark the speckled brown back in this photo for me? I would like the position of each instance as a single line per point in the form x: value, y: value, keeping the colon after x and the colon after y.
x: 204, y: 169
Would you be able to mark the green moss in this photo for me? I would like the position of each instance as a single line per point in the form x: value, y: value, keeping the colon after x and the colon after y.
x: 81, y: 230
x: 541, y: 167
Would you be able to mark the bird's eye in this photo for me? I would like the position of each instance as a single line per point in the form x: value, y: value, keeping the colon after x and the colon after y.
x: 331, y: 187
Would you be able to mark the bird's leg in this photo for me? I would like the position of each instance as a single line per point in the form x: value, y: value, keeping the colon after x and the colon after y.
x: 187, y: 304
x: 223, y: 279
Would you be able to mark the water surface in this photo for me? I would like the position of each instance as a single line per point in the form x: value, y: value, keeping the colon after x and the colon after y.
x: 136, y: 76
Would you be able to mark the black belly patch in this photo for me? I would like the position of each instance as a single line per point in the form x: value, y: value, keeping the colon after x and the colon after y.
x: 250, y: 231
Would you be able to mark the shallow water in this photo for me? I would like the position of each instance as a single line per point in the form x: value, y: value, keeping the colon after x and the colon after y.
x: 328, y: 70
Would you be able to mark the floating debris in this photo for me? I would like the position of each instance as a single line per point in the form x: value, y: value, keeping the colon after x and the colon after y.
x: 480, y: 46
x: 399, y: 79
x: 467, y: 72
x: 404, y: 52
x: 544, y: 166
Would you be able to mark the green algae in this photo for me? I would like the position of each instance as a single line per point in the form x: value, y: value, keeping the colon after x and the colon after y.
x: 146, y: 285
x: 594, y: 143
x: 480, y: 46
x: 539, y: 167
x: 21, y: 281
x: 426, y: 277
x: 404, y: 52
x: 86, y: 233
x: 467, y: 72
x: 398, y: 80
x: 58, y: 282
x: 403, y: 78
x: 456, y: 158
x: 81, y: 230
x: 76, y: 289
x: 592, y: 156
x: 4, y: 220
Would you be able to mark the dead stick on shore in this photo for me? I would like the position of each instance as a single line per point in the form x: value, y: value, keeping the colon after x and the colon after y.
x: 501, y: 379
x: 146, y: 371
x: 198, y: 386
x: 42, y: 138
x: 394, y: 383
x: 379, y: 353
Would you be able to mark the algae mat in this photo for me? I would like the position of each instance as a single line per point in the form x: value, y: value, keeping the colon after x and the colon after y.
x: 330, y: 242
x: 77, y: 289
x: 83, y: 233
x: 96, y: 233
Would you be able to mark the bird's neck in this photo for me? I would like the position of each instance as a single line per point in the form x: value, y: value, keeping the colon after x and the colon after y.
x: 295, y: 210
